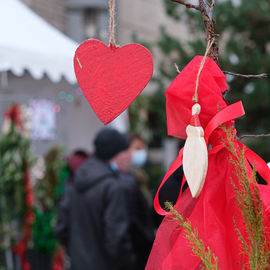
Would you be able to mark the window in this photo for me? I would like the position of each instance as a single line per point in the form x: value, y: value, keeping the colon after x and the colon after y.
x: 97, y: 24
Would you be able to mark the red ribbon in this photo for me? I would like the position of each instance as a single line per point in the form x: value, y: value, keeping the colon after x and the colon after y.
x: 229, y: 113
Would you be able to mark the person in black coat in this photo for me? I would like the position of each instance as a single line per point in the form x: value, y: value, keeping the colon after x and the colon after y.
x: 142, y: 226
x: 93, y: 221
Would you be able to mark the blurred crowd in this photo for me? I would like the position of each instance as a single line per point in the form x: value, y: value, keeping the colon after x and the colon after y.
x: 105, y: 216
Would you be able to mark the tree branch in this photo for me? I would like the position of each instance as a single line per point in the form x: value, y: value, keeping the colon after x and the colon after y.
x: 187, y: 5
x: 253, y: 136
x: 177, y: 68
x: 259, y: 76
x: 206, y: 10
x: 209, y: 23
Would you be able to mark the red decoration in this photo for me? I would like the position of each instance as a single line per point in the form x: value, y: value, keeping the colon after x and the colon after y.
x: 213, y: 212
x: 111, y: 77
x: 21, y: 247
x: 179, y: 95
x: 14, y: 114
x: 58, y: 259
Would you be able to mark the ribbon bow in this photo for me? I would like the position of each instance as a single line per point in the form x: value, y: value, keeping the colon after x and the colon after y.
x: 229, y: 113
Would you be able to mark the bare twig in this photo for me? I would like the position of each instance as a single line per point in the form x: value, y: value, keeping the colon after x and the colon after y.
x: 259, y: 76
x: 209, y: 23
x: 253, y: 136
x: 177, y: 68
x: 187, y: 5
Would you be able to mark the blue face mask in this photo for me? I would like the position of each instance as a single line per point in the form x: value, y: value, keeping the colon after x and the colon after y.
x: 138, y: 158
x: 114, y: 166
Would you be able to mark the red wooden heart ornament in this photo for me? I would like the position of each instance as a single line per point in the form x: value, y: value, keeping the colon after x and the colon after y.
x: 111, y: 77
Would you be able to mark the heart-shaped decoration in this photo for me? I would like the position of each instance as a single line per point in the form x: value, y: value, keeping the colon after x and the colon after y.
x: 111, y: 77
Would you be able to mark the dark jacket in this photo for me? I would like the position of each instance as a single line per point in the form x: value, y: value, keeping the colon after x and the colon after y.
x: 93, y: 220
x: 141, y: 223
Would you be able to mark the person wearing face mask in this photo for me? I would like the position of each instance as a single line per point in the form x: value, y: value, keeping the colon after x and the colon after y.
x: 142, y: 229
x: 138, y: 159
x: 138, y: 150
x: 95, y: 210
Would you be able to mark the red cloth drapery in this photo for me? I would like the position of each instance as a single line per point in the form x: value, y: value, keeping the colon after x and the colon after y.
x: 214, y: 212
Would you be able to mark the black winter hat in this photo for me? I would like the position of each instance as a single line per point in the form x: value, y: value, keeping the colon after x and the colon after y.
x: 109, y: 142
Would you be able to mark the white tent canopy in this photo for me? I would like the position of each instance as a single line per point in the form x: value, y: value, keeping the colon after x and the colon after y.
x: 27, y: 42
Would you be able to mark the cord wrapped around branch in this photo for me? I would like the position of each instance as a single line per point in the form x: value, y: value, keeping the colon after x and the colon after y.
x: 206, y: 10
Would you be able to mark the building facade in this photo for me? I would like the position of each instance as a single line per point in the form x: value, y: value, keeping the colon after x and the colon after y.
x: 53, y: 11
x: 83, y: 19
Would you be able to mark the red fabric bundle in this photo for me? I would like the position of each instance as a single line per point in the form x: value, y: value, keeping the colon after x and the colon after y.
x: 179, y: 95
x: 213, y: 213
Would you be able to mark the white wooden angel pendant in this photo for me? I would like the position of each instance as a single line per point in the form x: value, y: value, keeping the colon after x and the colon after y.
x: 195, y: 154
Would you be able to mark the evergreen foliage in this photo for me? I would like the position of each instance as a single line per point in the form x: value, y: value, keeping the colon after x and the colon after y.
x: 15, y: 160
x: 47, y: 191
x: 255, y: 246
x: 199, y: 249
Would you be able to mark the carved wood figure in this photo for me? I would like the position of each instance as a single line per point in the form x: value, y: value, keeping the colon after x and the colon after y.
x: 195, y: 155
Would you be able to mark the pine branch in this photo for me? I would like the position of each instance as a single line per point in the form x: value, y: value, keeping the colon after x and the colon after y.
x: 250, y: 205
x: 197, y: 245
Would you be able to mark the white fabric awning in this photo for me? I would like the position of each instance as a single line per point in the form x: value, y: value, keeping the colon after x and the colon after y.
x: 27, y: 42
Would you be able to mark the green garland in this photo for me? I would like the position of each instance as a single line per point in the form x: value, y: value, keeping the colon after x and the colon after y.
x: 15, y: 159
x: 43, y: 234
x: 48, y: 190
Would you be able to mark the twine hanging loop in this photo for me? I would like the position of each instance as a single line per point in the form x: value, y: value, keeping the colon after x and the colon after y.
x: 112, y: 23
x: 209, y: 45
